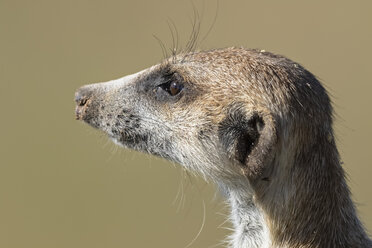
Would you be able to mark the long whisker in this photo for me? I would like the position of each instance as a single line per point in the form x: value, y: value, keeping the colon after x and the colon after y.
x: 201, y: 227
x: 163, y: 48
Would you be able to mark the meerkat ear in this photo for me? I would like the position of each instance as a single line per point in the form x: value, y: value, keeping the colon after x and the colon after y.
x: 249, y: 139
x: 261, y: 151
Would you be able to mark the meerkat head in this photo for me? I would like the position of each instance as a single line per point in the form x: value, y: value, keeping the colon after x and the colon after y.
x: 223, y: 113
x: 258, y: 124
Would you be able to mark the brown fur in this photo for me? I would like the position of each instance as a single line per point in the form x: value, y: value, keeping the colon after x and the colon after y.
x: 257, y: 124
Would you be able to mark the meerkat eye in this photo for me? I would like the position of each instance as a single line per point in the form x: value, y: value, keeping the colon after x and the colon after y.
x: 173, y: 88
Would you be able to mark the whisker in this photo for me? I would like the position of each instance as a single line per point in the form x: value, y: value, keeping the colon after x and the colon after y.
x: 201, y: 228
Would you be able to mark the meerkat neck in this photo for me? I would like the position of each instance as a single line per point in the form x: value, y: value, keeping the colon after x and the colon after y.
x: 315, y: 209
x: 250, y: 229
x: 312, y: 208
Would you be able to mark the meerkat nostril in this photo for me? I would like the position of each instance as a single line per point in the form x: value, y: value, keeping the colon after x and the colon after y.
x: 82, y: 102
x: 80, y: 99
x: 82, y: 96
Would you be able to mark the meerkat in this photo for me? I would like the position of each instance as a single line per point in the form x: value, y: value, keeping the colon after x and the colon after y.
x: 257, y: 124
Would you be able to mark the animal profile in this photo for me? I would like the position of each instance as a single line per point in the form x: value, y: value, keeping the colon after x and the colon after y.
x: 257, y: 124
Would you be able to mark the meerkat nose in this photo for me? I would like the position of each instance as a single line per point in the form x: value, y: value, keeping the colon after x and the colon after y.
x: 82, y: 97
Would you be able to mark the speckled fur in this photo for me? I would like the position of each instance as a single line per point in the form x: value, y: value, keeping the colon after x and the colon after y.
x: 257, y: 124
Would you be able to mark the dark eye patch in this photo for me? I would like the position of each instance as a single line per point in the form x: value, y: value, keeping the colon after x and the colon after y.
x: 167, y: 85
x: 170, y: 87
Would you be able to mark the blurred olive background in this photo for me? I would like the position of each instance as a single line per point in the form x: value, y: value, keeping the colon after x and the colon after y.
x: 63, y: 184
